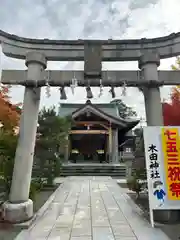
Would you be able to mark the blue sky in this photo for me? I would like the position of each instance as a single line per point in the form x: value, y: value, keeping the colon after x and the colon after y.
x: 99, y: 19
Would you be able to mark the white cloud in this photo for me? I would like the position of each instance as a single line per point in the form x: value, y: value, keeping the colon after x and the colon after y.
x: 102, y: 19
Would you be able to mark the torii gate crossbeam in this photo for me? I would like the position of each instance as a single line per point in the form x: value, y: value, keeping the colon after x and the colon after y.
x: 57, y: 78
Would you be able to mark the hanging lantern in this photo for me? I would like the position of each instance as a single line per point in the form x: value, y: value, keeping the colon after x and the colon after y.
x: 112, y: 91
x: 62, y: 93
x: 89, y: 92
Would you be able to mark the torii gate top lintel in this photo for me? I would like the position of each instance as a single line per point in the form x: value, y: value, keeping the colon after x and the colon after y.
x: 73, y: 50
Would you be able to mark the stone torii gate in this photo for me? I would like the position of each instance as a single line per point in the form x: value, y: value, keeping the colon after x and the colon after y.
x: 36, y: 53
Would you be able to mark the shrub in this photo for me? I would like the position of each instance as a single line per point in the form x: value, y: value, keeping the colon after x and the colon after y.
x: 47, y: 169
x: 137, y: 182
x: 35, y: 187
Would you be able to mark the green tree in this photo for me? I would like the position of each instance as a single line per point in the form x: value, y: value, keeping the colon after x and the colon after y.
x: 50, y: 143
x: 123, y: 109
x: 8, y: 142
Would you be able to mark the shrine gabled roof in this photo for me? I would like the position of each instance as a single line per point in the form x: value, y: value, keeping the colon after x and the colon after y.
x: 68, y: 108
x: 107, y: 111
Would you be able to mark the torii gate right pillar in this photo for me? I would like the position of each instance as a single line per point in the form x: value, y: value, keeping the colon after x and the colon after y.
x: 148, y: 64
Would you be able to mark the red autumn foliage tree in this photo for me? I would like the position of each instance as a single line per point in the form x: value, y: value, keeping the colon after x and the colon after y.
x: 171, y: 110
x: 9, y: 113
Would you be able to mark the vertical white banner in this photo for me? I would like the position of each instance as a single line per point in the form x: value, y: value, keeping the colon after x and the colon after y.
x: 163, y: 167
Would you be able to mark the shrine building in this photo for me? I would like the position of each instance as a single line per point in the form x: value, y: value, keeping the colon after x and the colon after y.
x: 98, y: 133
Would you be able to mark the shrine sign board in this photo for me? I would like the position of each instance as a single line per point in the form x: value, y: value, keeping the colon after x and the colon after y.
x: 162, y: 153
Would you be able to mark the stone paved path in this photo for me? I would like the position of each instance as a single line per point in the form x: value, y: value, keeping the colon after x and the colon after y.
x: 91, y: 208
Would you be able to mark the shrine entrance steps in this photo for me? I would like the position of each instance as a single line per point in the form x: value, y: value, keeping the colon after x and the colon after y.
x: 94, y: 169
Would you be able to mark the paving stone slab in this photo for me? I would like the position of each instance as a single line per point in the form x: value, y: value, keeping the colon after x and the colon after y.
x: 62, y: 233
x: 100, y: 223
x: 78, y: 232
x: 125, y: 238
x: 122, y: 230
x: 81, y: 238
x: 102, y: 233
x: 83, y: 213
x: 82, y: 224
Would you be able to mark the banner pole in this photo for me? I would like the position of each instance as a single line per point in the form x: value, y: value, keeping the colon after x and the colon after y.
x: 151, y: 217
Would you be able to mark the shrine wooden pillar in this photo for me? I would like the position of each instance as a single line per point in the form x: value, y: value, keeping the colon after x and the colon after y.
x: 110, y: 144
x: 115, y: 154
x: 66, y: 150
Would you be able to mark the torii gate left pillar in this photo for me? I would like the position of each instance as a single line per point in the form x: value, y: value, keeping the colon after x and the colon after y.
x: 19, y: 207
